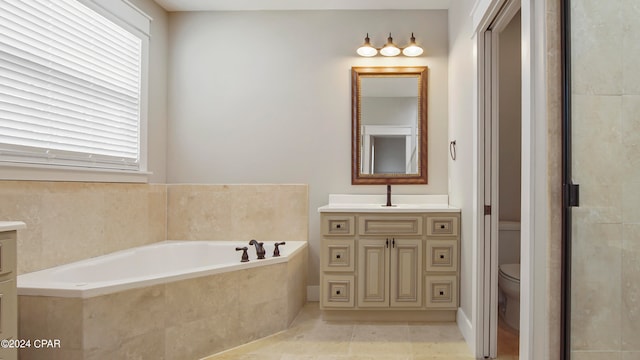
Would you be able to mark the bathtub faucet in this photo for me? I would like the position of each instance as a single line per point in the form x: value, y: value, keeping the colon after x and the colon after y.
x: 259, y: 248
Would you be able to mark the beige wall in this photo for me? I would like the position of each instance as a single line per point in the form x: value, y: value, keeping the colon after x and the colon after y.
x: 606, y: 148
x: 265, y: 97
x: 510, y: 121
x: 461, y: 117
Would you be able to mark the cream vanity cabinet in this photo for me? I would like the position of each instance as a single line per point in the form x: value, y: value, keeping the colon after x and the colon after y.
x: 390, y: 261
x: 8, y: 288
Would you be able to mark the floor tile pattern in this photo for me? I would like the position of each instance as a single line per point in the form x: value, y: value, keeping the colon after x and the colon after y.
x: 311, y: 338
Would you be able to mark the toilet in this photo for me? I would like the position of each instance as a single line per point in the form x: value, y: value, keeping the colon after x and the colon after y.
x: 509, y: 285
x: 509, y: 273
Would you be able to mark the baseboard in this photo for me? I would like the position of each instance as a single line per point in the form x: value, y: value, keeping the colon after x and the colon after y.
x: 313, y: 293
x: 466, y: 329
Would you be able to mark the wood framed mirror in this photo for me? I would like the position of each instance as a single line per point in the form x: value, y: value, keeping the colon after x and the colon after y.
x: 389, y: 125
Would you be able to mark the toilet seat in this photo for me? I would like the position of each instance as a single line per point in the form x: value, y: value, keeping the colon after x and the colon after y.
x: 511, y: 271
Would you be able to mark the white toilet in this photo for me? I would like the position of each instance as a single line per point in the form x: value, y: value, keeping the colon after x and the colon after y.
x: 509, y: 274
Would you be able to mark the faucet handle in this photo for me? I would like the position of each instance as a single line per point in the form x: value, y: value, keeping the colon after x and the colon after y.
x: 245, y: 256
x: 276, y: 251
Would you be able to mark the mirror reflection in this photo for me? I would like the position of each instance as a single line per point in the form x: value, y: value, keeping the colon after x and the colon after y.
x: 389, y: 125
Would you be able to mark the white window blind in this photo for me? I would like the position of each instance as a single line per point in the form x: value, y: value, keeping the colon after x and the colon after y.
x: 70, y: 86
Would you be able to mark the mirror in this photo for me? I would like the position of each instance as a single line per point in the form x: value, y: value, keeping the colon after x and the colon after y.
x: 389, y: 125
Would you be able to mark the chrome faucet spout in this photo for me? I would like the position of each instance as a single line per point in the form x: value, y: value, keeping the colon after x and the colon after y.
x: 260, y: 252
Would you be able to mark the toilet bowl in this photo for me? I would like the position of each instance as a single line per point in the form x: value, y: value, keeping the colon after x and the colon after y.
x: 509, y: 287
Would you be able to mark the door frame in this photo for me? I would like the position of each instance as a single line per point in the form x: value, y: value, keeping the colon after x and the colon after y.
x: 534, y: 317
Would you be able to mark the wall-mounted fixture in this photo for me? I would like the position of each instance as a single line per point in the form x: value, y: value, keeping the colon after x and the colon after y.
x: 389, y: 49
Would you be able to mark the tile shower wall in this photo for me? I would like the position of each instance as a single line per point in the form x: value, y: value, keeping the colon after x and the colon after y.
x: 69, y: 221
x: 605, y: 316
x: 237, y: 212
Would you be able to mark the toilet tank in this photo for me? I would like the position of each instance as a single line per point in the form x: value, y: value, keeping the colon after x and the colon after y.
x: 508, y: 242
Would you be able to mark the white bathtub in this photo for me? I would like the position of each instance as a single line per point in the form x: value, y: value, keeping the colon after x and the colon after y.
x: 171, y: 300
x: 153, y: 264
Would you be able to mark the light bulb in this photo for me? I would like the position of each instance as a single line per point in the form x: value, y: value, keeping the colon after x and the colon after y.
x: 390, y: 49
x: 413, y: 49
x: 366, y: 49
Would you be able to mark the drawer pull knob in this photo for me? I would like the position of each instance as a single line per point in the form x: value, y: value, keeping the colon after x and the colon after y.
x: 441, y: 293
x: 338, y: 292
x: 338, y: 226
x: 338, y: 256
x: 441, y: 256
x: 442, y: 226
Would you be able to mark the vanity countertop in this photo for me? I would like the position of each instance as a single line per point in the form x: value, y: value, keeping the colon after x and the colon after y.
x: 12, y: 225
x: 376, y: 203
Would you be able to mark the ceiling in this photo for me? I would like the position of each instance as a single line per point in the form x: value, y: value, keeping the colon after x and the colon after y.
x: 238, y: 5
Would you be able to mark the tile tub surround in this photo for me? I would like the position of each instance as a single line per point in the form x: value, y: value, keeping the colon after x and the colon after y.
x: 70, y: 221
x: 186, y: 319
x: 222, y: 212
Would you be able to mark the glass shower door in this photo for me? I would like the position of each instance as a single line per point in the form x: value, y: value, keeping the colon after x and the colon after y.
x: 604, y: 321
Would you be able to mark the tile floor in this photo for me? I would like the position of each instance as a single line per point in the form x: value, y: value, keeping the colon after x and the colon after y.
x: 311, y: 338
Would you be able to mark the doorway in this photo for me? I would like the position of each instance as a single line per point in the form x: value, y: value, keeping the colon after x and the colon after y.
x: 501, y: 129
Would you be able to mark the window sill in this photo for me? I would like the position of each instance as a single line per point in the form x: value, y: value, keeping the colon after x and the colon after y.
x: 29, y: 172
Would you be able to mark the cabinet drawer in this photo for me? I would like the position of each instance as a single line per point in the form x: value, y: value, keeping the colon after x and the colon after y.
x: 442, y: 291
x: 388, y: 225
x: 442, y: 255
x: 7, y: 255
x: 442, y: 226
x: 338, y: 225
x: 338, y: 255
x: 338, y: 291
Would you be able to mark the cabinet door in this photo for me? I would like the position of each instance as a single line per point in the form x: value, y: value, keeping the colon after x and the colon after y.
x: 373, y: 273
x: 406, y: 273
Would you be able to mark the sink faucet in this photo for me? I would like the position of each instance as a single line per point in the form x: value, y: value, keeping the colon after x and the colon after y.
x: 389, y: 195
x: 259, y: 248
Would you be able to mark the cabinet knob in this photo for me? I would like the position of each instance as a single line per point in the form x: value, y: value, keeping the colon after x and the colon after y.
x: 441, y: 256
x: 441, y: 293
x: 338, y: 292
x: 338, y: 256
x: 338, y: 226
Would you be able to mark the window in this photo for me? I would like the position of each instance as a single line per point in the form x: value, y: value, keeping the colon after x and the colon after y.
x: 71, y: 87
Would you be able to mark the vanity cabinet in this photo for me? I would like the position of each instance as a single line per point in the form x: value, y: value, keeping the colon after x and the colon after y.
x: 390, y: 261
x: 8, y: 289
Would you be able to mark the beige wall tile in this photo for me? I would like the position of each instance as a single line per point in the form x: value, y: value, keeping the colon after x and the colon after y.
x: 146, y: 346
x: 112, y: 319
x: 631, y: 287
x: 596, y: 286
x: 235, y: 212
x: 200, y: 338
x: 216, y: 295
x: 70, y: 221
x: 595, y: 355
x: 631, y: 355
x: 631, y: 46
x: 597, y: 139
x: 596, y: 72
x: 42, y: 317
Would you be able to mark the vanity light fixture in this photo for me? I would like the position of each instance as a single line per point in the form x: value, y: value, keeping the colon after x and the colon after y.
x: 389, y: 49
x: 366, y: 49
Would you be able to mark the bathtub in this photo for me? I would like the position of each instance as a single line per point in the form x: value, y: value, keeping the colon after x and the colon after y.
x: 170, y: 300
x: 147, y: 265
